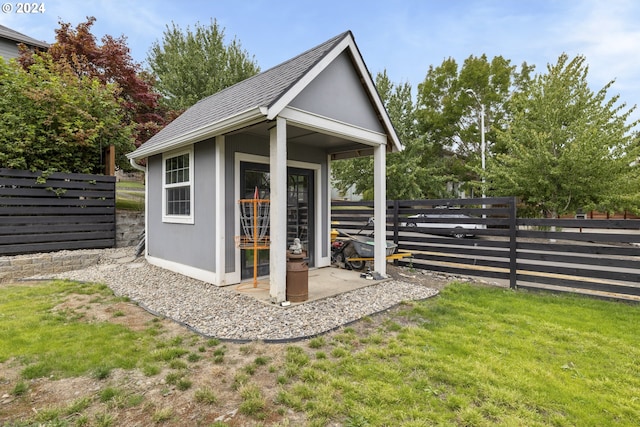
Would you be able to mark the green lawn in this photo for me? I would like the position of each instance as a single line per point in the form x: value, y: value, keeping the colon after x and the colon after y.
x: 480, y: 357
x: 472, y: 356
x: 130, y: 195
x: 50, y: 342
x: 130, y: 184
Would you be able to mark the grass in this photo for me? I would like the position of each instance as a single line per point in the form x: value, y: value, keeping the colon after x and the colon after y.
x: 474, y: 356
x: 50, y: 342
x: 130, y: 196
x: 205, y: 395
x: 47, y: 342
x: 130, y: 184
x: 480, y: 356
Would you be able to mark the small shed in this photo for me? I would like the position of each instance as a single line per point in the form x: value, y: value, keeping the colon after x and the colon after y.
x: 276, y: 132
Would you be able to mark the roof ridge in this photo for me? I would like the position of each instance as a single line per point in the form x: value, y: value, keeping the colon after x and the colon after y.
x: 331, y: 42
x: 250, y: 96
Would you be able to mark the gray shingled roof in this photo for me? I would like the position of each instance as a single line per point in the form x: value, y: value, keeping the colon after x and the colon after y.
x: 8, y: 33
x: 261, y: 90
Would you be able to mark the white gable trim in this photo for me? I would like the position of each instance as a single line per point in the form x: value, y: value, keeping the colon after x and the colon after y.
x: 347, y: 43
x: 327, y: 125
x: 295, y: 90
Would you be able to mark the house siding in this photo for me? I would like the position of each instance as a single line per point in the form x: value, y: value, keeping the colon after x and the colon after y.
x: 337, y: 93
x: 8, y: 49
x: 187, y: 244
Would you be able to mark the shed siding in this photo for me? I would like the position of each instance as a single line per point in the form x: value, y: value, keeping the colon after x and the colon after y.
x: 337, y: 93
x: 188, y: 244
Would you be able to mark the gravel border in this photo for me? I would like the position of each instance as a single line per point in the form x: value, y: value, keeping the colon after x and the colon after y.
x: 223, y: 313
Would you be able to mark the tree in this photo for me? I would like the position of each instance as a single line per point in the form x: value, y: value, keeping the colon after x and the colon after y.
x: 401, y: 167
x: 566, y: 147
x: 110, y: 63
x: 448, y: 118
x: 194, y: 64
x: 51, y: 119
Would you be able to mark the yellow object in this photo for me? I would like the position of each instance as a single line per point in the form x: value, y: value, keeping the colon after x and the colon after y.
x: 334, y: 235
x: 398, y: 255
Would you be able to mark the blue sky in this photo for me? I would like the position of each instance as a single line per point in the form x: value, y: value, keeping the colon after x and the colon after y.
x: 404, y: 37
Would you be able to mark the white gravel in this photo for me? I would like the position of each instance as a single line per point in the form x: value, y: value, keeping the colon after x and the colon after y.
x: 224, y: 313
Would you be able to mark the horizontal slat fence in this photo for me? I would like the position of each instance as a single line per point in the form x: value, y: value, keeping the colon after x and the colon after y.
x: 593, y: 256
x: 58, y: 211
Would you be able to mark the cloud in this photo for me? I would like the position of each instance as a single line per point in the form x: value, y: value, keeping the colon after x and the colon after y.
x: 607, y: 34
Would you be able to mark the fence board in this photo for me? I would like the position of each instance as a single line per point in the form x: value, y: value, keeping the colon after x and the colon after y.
x: 601, y: 249
x: 526, y: 281
x: 43, y: 192
x: 55, y: 228
x: 577, y: 259
x: 56, y: 246
x: 67, y: 211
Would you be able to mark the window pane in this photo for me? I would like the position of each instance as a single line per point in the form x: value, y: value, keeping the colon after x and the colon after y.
x: 179, y: 201
x: 177, y: 169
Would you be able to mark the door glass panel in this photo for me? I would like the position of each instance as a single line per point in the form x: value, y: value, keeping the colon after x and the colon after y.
x: 299, y: 211
x: 254, y: 176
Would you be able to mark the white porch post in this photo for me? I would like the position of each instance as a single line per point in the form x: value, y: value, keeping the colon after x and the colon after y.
x: 380, y: 209
x: 220, y: 249
x: 278, y: 229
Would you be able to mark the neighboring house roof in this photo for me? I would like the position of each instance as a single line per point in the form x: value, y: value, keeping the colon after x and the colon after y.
x: 260, y: 98
x: 9, y: 34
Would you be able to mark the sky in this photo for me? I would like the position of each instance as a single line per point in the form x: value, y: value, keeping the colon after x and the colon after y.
x: 405, y: 37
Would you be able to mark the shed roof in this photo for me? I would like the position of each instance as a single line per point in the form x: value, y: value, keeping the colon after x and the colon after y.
x: 257, y: 99
x: 8, y: 33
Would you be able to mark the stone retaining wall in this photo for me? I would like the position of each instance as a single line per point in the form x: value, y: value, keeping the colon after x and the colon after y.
x: 21, y: 266
x: 129, y: 226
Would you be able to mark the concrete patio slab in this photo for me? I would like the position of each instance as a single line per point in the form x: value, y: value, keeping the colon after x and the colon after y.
x: 323, y: 283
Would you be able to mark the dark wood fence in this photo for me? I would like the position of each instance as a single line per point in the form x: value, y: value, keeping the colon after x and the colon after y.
x: 41, y: 213
x: 593, y: 256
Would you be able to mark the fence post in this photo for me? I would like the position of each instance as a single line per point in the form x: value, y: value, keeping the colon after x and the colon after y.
x: 396, y: 232
x: 513, y: 243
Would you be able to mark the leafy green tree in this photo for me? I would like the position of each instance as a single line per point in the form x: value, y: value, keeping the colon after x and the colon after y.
x: 448, y: 118
x: 51, y: 119
x: 110, y: 62
x: 401, y: 167
x: 194, y: 64
x: 566, y: 147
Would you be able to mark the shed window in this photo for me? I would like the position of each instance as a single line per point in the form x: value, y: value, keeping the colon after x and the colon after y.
x: 178, y: 187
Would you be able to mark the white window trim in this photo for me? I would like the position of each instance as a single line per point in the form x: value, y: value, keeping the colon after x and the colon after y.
x: 178, y: 219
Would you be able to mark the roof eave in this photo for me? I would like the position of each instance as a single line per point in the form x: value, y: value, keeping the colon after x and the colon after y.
x: 246, y: 118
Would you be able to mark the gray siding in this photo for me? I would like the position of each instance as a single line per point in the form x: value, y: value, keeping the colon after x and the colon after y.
x: 338, y: 93
x: 194, y: 244
x: 188, y: 244
x: 8, y: 49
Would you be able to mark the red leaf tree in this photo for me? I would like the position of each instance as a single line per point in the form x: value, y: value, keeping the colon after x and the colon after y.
x: 110, y: 62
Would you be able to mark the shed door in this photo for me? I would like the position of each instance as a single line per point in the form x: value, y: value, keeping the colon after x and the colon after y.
x: 300, y: 209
